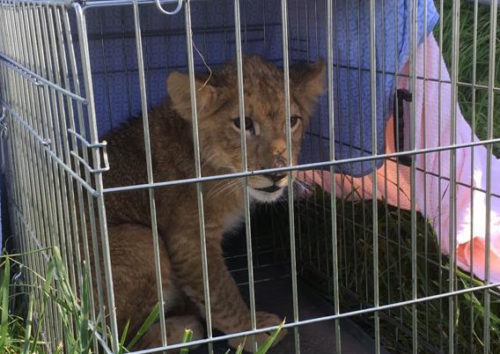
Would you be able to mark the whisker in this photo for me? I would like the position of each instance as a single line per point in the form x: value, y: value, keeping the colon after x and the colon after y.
x: 221, y: 187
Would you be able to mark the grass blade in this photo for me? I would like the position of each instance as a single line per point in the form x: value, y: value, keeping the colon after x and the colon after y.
x: 188, y: 336
x: 239, y: 350
x: 29, y: 321
x: 4, y: 301
x: 122, y: 348
x: 152, y: 317
x: 269, y: 342
x: 83, y: 318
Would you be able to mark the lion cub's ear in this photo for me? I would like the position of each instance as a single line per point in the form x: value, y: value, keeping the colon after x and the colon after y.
x: 308, y: 81
x: 180, y: 94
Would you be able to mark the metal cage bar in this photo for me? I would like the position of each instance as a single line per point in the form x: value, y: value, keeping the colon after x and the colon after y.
x: 244, y: 166
x: 199, y: 191
x: 291, y: 216
x: 54, y: 162
x: 491, y: 100
x: 149, y: 163
x: 84, y: 49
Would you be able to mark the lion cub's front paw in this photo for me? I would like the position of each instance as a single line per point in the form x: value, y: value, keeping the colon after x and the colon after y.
x: 264, y: 319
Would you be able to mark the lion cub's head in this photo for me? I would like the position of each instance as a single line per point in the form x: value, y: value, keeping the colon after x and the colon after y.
x: 219, y: 118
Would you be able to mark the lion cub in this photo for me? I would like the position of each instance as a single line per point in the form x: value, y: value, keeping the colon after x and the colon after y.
x: 177, y: 206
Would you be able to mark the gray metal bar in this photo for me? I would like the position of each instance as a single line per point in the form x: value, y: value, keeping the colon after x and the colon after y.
x: 424, y: 137
x: 453, y: 165
x: 386, y: 180
x: 291, y: 218
x: 103, y: 345
x: 70, y: 180
x: 333, y: 198
x: 87, y: 166
x: 149, y: 167
x: 373, y: 94
x: 347, y: 87
x: 90, y: 200
x: 491, y: 111
x: 413, y: 175
x: 87, y: 76
x: 246, y: 200
x: 362, y: 282
x: 199, y: 190
x: 85, y: 142
x: 440, y: 257
x: 473, y: 130
x: 38, y: 79
x: 308, y: 166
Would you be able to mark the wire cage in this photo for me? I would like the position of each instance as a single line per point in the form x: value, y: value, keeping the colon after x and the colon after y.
x: 349, y: 273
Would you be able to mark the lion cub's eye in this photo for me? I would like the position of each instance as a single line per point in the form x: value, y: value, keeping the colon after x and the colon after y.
x: 249, y: 125
x: 294, y: 121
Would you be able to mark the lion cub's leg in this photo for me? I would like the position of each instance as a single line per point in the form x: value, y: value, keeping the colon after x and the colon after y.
x: 133, y: 266
x: 229, y: 311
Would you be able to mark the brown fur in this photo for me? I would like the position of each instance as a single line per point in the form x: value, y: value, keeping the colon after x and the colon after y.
x: 177, y: 209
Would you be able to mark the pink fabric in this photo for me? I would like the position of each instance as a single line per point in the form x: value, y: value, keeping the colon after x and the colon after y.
x: 470, y: 227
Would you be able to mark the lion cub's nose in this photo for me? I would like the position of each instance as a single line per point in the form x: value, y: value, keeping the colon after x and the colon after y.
x: 279, y: 161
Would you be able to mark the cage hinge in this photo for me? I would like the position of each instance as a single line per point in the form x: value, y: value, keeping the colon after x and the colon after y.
x: 100, y: 155
x: 3, y: 124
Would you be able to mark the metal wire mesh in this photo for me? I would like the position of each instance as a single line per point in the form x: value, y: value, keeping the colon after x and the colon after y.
x: 64, y: 69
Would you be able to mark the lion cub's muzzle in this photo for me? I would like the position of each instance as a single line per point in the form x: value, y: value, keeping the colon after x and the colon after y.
x: 269, y: 187
x: 278, y: 182
x: 278, y: 177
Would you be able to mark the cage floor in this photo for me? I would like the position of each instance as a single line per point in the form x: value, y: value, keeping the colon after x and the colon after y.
x: 275, y: 295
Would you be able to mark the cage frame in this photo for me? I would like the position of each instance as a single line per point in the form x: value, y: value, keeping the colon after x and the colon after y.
x: 57, y: 154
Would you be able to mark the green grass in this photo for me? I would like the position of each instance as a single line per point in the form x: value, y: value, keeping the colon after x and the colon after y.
x: 22, y: 332
x: 21, y: 328
x: 474, y: 105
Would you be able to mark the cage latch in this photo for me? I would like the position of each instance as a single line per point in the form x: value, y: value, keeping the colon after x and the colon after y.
x: 102, y: 154
x: 402, y: 95
x: 3, y: 124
